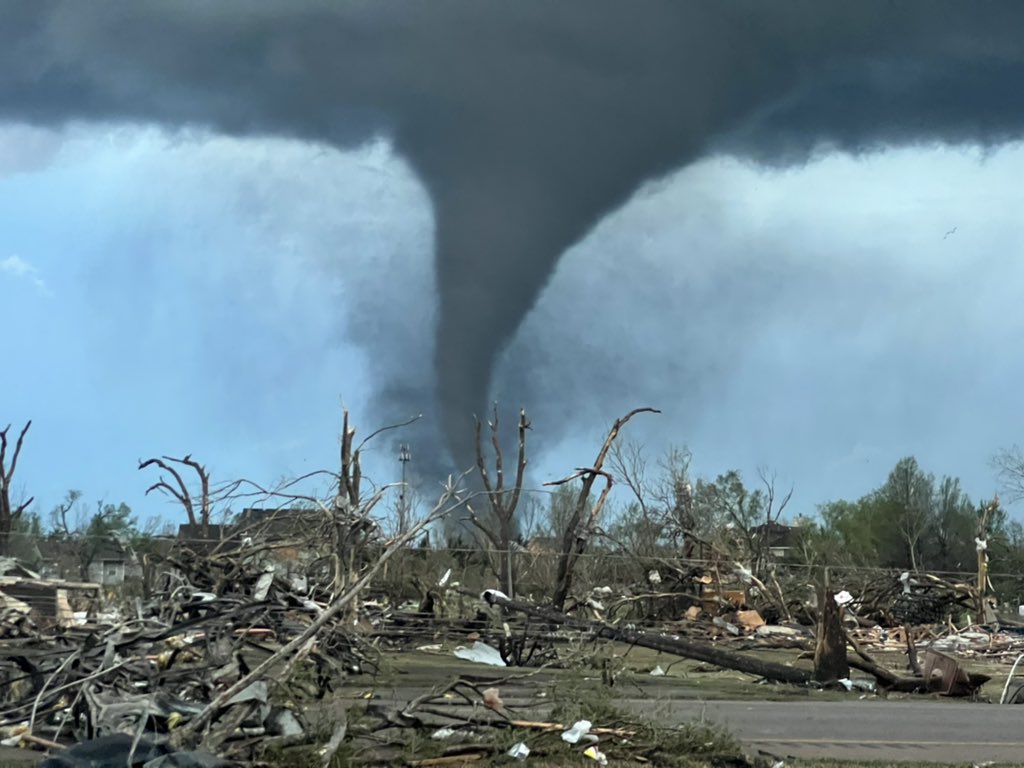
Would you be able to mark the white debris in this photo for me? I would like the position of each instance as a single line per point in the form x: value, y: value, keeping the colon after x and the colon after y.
x: 282, y: 722
x: 481, y: 653
x: 980, y: 544
x: 602, y: 591
x: 262, y: 587
x: 579, y: 729
x: 843, y: 598
x: 654, y: 577
x: 312, y: 606
x: 596, y: 754
x: 442, y: 733
x: 905, y: 578
x: 519, y: 751
x: 595, y: 604
x: 658, y: 671
x: 444, y: 579
x: 732, y: 629
x: 744, y: 574
x: 490, y: 596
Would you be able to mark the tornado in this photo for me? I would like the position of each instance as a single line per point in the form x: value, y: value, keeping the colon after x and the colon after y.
x: 526, y: 121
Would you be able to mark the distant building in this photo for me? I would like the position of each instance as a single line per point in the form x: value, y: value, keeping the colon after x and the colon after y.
x: 782, y: 539
x: 204, y: 542
x: 112, y: 563
x: 288, y: 530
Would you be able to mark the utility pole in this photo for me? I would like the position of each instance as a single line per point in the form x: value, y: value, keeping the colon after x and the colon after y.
x: 404, y: 456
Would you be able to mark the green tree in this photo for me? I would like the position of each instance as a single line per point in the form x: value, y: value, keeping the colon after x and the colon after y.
x: 910, y: 521
x: 84, y: 536
x: 909, y: 496
x: 948, y: 544
x: 867, y: 532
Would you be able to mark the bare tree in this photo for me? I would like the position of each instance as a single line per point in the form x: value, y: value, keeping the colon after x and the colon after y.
x: 662, y: 513
x: 180, y: 491
x: 1008, y: 464
x: 59, y: 516
x: 351, y: 527
x: 499, y: 529
x: 10, y: 513
x: 583, y: 521
x: 773, y: 509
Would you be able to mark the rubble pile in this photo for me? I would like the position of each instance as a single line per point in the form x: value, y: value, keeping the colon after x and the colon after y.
x: 165, y: 670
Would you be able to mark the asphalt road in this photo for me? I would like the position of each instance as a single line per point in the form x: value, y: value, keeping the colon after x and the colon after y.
x: 925, y: 731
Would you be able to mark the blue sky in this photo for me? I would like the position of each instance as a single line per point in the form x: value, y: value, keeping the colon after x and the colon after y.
x: 171, y: 293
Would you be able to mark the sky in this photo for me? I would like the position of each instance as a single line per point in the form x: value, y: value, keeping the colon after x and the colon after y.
x: 171, y: 292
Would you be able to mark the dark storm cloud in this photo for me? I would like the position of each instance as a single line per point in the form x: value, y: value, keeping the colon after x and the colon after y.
x: 527, y: 121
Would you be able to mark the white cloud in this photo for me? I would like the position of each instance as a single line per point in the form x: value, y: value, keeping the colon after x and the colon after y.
x: 17, y: 267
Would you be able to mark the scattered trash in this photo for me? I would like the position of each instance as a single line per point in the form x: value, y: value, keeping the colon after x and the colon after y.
x: 282, y: 722
x: 596, y: 754
x: 658, y: 671
x: 443, y: 733
x: 519, y: 751
x: 843, y: 598
x: 262, y: 587
x: 718, y: 621
x: 654, y: 577
x: 444, y: 579
x: 579, y: 729
x: 749, y: 620
x: 114, y: 750
x: 490, y: 596
x: 481, y: 653
x: 492, y: 700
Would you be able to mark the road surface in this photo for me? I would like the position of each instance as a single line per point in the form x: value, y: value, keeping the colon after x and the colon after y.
x: 873, y: 729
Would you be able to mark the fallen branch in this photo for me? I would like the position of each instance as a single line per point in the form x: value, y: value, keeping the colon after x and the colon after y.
x: 336, y: 608
x: 677, y: 646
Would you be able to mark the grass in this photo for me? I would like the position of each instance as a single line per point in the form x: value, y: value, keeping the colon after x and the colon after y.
x: 584, y: 692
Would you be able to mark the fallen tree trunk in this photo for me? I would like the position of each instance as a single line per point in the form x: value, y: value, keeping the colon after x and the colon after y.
x: 676, y: 646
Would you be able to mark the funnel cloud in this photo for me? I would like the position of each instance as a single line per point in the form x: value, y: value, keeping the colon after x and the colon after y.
x: 527, y: 122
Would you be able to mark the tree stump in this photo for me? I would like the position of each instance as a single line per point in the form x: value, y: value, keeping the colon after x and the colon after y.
x: 830, y: 662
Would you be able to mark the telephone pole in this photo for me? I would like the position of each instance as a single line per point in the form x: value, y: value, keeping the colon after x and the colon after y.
x: 404, y: 456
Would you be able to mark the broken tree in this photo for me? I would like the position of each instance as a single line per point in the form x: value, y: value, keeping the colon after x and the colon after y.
x: 583, y: 520
x: 689, y: 649
x: 10, y: 513
x: 830, y: 664
x: 499, y: 527
x: 180, y: 490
